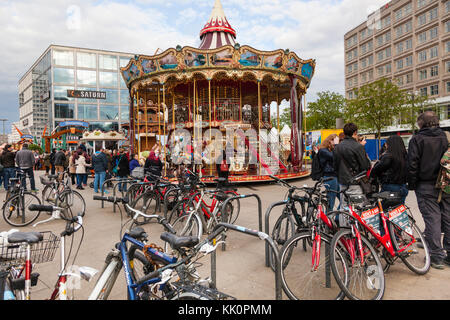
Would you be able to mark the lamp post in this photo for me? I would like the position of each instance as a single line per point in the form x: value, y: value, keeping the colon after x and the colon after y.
x: 4, y: 120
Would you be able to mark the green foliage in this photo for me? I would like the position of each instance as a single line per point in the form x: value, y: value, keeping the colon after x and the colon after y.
x: 323, y: 112
x: 35, y: 147
x: 415, y: 105
x: 285, y: 119
x: 376, y: 105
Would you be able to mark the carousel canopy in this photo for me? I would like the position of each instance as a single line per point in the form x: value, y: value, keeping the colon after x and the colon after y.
x: 217, y: 32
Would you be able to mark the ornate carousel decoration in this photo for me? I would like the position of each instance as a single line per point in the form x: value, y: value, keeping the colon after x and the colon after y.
x: 219, y: 85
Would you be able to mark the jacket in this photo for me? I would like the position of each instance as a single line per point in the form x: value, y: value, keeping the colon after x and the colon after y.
x: 154, y: 166
x: 60, y: 158
x: 47, y: 160
x: 326, y: 162
x: 350, y: 159
x: 99, y: 162
x: 134, y: 164
x: 8, y: 159
x: 425, y: 151
x: 389, y: 170
x: 25, y: 159
x: 124, y: 166
x: 81, y: 165
x: 72, y: 167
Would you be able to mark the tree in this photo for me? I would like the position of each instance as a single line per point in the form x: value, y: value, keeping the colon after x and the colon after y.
x: 285, y: 119
x: 415, y: 105
x: 376, y: 105
x: 323, y: 112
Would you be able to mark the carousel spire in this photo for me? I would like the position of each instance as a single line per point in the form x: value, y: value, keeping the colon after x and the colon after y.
x: 217, y: 32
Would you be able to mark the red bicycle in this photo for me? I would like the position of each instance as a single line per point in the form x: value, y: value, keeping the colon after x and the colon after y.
x: 369, y: 229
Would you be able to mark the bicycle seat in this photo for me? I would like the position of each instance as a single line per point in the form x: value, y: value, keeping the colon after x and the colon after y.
x: 220, y: 197
x: 138, y: 233
x: 52, y: 176
x: 386, y: 195
x: 28, y: 237
x: 14, y: 179
x: 177, y: 242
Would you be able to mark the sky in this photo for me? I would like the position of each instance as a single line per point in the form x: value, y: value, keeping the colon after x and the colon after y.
x: 311, y: 28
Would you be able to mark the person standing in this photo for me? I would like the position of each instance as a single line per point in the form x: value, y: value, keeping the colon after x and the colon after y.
x: 47, y: 164
x: 325, y: 156
x: 81, y: 165
x: 425, y: 151
x: 7, y: 160
x: 100, y: 166
x: 134, y: 163
x: 72, y: 167
x: 52, y: 161
x: 391, y: 169
x: 123, y: 170
x: 350, y: 159
x: 60, y: 160
x: 153, y: 164
x: 222, y: 167
x: 25, y: 161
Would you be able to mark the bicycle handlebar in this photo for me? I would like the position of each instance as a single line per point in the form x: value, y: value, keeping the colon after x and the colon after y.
x: 111, y: 199
x: 161, y: 220
x: 41, y: 207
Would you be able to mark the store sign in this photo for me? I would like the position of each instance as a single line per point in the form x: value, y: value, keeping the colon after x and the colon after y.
x: 27, y: 136
x: 86, y: 94
x: 74, y: 123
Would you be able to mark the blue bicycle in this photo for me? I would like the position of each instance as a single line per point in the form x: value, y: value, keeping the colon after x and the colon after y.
x: 148, y: 270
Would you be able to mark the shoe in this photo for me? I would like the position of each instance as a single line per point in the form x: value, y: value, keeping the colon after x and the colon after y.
x: 447, y: 260
x: 35, y: 190
x: 437, y: 263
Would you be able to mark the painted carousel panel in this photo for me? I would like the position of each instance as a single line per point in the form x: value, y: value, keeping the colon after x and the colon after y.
x: 222, y: 58
x: 168, y: 62
x: 194, y: 59
x: 249, y: 59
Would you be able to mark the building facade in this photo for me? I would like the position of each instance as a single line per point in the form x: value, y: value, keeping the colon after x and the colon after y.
x: 43, y: 90
x: 408, y: 42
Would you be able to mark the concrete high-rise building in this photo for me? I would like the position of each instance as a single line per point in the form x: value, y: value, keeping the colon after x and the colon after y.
x: 43, y: 90
x: 407, y: 41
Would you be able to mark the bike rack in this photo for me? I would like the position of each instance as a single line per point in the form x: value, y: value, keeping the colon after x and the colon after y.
x: 243, y: 196
x: 269, y: 210
x: 259, y: 234
x: 114, y: 188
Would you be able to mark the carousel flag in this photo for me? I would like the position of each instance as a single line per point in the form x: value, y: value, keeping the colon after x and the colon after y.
x: 296, y: 133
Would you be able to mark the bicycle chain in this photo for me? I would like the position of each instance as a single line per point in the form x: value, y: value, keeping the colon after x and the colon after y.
x: 148, y: 256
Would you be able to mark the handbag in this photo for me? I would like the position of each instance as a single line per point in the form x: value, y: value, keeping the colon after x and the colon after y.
x: 365, y: 182
x: 116, y: 168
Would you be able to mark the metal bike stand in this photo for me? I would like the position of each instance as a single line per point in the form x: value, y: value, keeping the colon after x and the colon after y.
x: 259, y: 234
x: 103, y: 188
x: 267, y: 223
x: 128, y: 180
x: 243, y: 196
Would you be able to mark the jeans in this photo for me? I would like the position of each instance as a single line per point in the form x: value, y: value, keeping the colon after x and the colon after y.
x: 351, y: 190
x: 331, y: 196
x: 436, y: 216
x: 30, y: 173
x: 99, y: 178
x: 8, y: 173
x: 396, y: 188
x: 122, y: 185
x: 79, y: 180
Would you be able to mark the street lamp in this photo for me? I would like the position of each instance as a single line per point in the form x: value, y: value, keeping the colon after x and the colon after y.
x: 4, y: 120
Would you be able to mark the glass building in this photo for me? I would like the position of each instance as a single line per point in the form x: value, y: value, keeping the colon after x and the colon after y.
x: 43, y: 98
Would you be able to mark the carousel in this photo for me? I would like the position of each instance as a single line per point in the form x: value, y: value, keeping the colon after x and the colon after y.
x: 218, y: 87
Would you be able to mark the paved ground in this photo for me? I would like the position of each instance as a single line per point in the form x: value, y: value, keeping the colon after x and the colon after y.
x: 241, y: 271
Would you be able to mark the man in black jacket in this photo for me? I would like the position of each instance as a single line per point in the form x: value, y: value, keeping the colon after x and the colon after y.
x: 8, y: 162
x: 425, y: 151
x: 350, y: 159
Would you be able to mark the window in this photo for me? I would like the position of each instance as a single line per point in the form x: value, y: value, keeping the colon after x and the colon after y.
x: 363, y: 34
x: 64, y: 111
x: 447, y: 26
x: 123, y: 61
x: 398, y: 14
x: 447, y: 7
x: 434, y: 71
x: 423, y: 74
x: 370, y: 58
x: 124, y: 113
x: 363, y: 48
x: 421, y: 3
x: 408, y: 61
x: 409, y: 78
x: 380, y: 71
x: 380, y: 55
x: 433, y: 52
x: 107, y: 62
x: 124, y: 97
x: 422, y: 56
x: 433, y: 33
x: 87, y: 112
x: 408, y: 8
x: 108, y: 79
x: 399, y: 31
x: 408, y: 44
x: 434, y: 90
x: 447, y: 64
x: 422, y: 37
x: 112, y: 96
x: 399, y: 64
x: 388, y: 52
x: 422, y: 19
x: 109, y: 112
x: 60, y: 93
x: 62, y: 75
x: 448, y: 86
x: 86, y: 60
x: 104, y: 126
x: 385, y: 22
x: 447, y: 47
x: 87, y: 77
x: 399, y: 47
x: 423, y: 91
x: 388, y: 68
x: 63, y: 58
x: 433, y: 13
x: 399, y: 81
x: 408, y: 26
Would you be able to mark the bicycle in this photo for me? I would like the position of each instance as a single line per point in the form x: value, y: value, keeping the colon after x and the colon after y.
x: 15, y: 209
x: 368, y: 226
x: 58, y: 192
x: 25, y: 249
x: 157, y: 266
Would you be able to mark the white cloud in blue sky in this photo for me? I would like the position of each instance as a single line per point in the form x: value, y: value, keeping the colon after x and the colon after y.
x: 313, y: 29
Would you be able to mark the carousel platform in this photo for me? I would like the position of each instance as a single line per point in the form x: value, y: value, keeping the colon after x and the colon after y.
x: 261, y: 178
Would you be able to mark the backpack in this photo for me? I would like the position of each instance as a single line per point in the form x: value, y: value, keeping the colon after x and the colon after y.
x: 224, y: 165
x: 443, y: 182
x: 316, y: 169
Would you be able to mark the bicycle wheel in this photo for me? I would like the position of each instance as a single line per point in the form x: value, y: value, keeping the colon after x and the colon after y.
x: 16, y: 212
x: 46, y: 194
x: 147, y: 203
x: 170, y: 200
x: 106, y: 280
x: 365, y: 280
x: 186, y: 225
x: 298, y: 279
x: 283, y: 230
x: 179, y: 210
x: 415, y: 256
x: 71, y: 199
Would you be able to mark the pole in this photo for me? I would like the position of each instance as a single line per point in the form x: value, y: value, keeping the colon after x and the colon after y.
x: 209, y: 98
x: 259, y: 124
x: 304, y: 125
x: 165, y: 107
x: 138, y: 123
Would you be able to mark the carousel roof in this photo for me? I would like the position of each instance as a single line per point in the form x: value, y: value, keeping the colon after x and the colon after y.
x: 217, y: 32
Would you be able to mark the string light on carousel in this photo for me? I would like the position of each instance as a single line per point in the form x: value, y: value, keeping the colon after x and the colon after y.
x: 192, y: 94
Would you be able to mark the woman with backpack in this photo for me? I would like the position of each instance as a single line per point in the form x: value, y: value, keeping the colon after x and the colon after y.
x: 326, y: 162
x: 391, y: 169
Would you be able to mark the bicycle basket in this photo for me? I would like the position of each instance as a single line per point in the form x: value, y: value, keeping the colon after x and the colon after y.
x: 138, y: 173
x: 45, y: 181
x: 43, y: 251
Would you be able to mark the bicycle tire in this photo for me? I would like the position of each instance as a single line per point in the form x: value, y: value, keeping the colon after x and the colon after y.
x: 170, y: 200
x: 106, y: 280
x: 356, y: 271
x: 46, y: 193
x: 416, y: 258
x: 186, y: 225
x: 21, y: 204
x: 148, y: 203
x: 299, y: 282
x: 282, y: 231
x: 71, y: 199
x: 179, y: 210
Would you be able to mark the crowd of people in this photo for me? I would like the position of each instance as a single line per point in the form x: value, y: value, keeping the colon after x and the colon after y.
x: 397, y: 170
